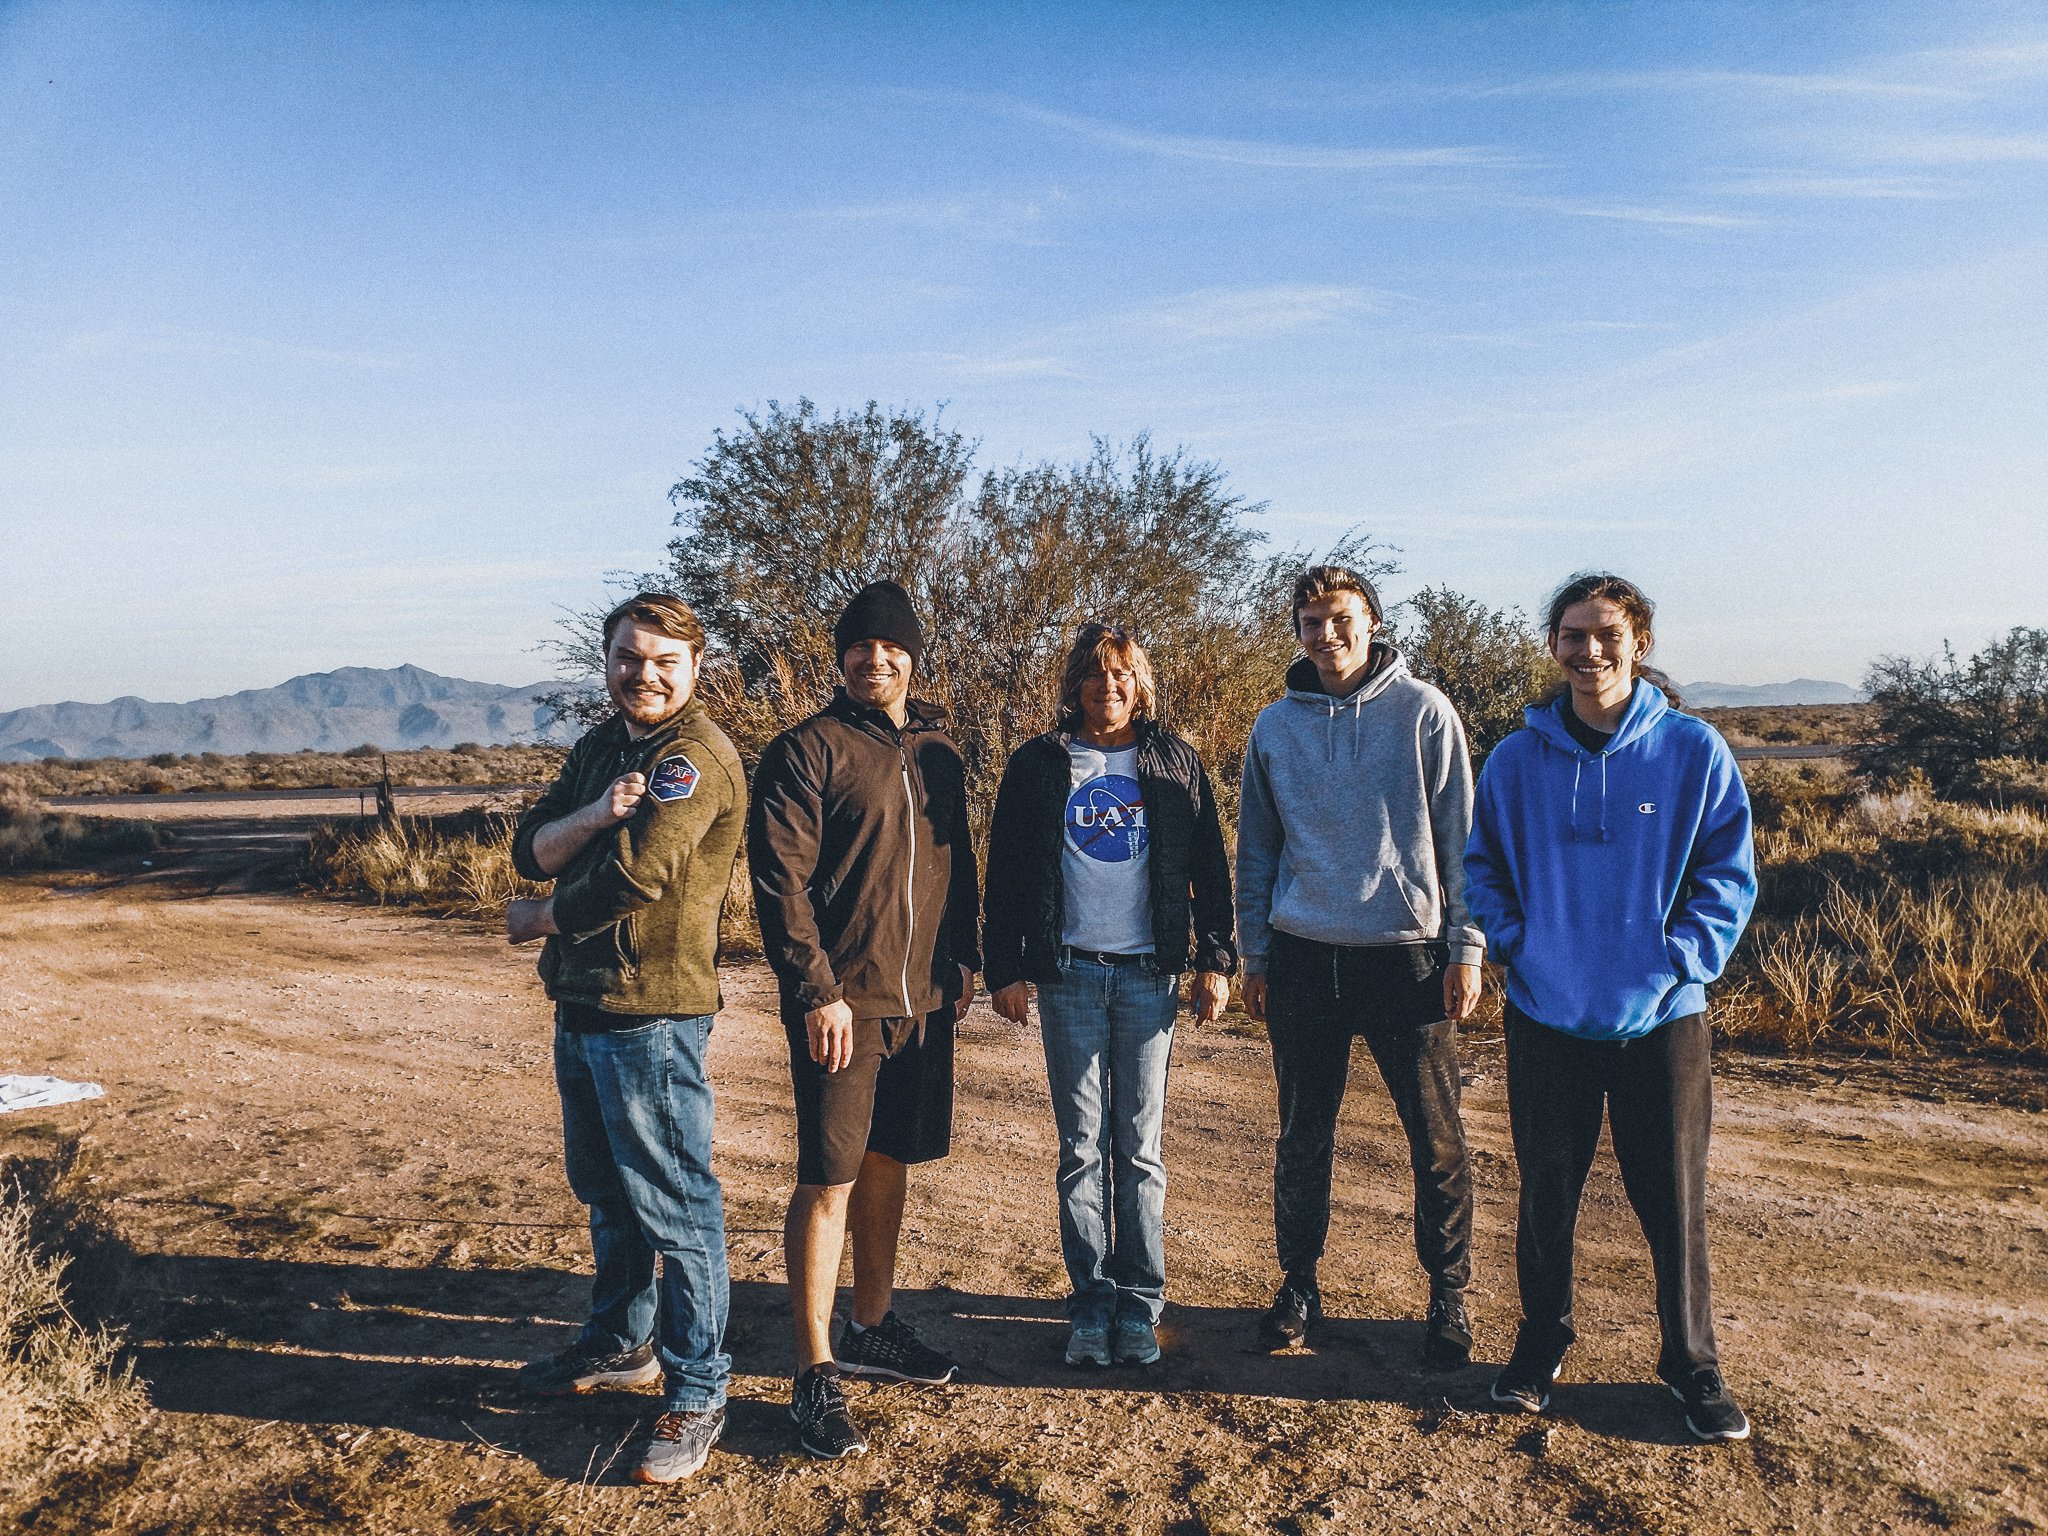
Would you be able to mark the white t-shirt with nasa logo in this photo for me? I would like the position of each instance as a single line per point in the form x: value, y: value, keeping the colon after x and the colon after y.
x: 1106, y: 854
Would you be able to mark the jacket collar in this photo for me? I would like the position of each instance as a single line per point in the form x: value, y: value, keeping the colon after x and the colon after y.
x: 1646, y: 706
x: 620, y: 739
x: 1382, y: 666
x: 919, y: 715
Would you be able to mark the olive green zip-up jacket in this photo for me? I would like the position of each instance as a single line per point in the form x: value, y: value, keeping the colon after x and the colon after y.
x: 637, y: 909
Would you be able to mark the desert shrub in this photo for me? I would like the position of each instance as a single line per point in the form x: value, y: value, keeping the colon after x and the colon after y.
x: 2004, y: 783
x: 1781, y: 791
x: 60, y: 1375
x: 784, y: 519
x: 358, y: 768
x: 34, y: 837
x: 1895, y: 921
x: 1944, y: 716
x: 1490, y: 663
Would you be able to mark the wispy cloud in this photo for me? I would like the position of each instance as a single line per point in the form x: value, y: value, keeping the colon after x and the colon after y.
x: 1199, y: 319
x: 1717, y: 81
x: 1795, y: 184
x: 1954, y: 148
x: 1690, y: 218
x: 1247, y: 314
x: 1260, y: 153
x: 175, y: 342
x: 1017, y: 220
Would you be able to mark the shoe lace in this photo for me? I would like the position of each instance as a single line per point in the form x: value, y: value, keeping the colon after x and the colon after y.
x: 827, y: 1396
x: 671, y: 1426
x: 1706, y: 1382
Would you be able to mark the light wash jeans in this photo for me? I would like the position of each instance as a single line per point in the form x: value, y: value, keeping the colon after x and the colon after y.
x: 1108, y: 1033
x: 636, y: 1130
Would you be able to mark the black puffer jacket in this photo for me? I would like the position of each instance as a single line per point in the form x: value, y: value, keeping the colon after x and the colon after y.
x: 1023, y: 912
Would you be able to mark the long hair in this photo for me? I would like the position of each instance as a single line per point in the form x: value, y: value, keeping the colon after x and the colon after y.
x: 1636, y: 607
x: 1097, y: 648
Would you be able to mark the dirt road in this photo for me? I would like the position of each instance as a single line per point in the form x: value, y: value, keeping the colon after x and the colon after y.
x: 329, y: 1134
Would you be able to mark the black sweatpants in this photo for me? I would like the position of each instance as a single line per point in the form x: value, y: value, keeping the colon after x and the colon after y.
x: 1657, y: 1093
x: 1319, y: 997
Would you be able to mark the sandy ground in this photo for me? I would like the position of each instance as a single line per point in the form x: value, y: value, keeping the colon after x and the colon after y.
x: 330, y: 1137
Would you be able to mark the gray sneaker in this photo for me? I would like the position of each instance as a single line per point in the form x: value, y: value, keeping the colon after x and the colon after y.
x: 581, y: 1369
x: 1137, y: 1342
x: 678, y: 1445
x: 1088, y: 1344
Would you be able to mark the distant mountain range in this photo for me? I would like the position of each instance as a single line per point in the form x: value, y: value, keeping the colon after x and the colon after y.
x: 1801, y: 690
x: 389, y: 707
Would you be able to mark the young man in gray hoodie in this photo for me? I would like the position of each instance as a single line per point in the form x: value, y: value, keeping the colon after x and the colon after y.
x: 1356, y: 803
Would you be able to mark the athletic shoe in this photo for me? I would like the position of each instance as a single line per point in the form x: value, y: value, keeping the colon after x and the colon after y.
x: 823, y: 1426
x: 1297, y: 1307
x: 580, y: 1369
x: 1447, y: 1336
x: 1088, y: 1344
x: 678, y: 1446
x: 1524, y: 1382
x: 892, y: 1348
x: 1137, y: 1342
x: 1710, y: 1413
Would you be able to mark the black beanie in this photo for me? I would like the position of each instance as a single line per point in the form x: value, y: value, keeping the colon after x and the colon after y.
x: 880, y: 611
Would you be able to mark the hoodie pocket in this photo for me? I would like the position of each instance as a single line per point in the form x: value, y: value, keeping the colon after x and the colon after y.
x: 1597, y: 979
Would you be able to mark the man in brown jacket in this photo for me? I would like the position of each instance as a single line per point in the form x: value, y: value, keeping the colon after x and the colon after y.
x: 639, y: 834
x: 864, y: 883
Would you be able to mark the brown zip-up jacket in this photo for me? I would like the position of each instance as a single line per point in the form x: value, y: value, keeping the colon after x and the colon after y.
x: 638, y: 907
x: 863, y: 869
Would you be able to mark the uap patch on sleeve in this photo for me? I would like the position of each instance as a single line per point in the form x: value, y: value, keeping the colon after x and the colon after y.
x: 674, y: 778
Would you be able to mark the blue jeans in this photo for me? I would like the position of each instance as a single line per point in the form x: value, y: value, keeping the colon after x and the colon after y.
x: 636, y: 1131
x: 1108, y: 1033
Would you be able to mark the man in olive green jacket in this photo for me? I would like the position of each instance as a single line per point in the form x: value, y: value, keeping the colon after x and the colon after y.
x: 640, y: 833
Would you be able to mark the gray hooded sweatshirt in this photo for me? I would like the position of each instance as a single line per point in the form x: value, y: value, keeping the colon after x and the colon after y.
x: 1354, y: 815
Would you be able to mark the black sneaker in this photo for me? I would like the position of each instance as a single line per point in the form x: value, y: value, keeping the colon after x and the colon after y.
x: 1524, y: 1382
x: 892, y: 1348
x: 580, y: 1369
x: 679, y: 1445
x: 1447, y: 1336
x: 823, y: 1426
x: 1710, y: 1413
x: 1297, y: 1307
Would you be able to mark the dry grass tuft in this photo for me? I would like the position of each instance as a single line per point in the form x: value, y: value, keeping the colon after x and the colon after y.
x: 1894, y: 922
x: 61, y: 1382
x: 35, y: 837
x: 458, y: 865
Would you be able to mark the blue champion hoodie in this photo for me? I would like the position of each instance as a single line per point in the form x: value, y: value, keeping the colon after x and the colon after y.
x: 1613, y: 885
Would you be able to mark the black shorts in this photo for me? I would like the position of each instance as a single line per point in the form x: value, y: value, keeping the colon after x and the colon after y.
x: 895, y: 1097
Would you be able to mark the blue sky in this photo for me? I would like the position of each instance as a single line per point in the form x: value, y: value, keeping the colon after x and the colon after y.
x: 358, y: 334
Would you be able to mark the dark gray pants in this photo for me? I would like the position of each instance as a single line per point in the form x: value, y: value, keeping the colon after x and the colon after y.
x: 1658, y: 1096
x: 1319, y: 997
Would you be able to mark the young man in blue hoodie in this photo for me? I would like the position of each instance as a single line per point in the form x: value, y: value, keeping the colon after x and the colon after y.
x: 1356, y: 801
x: 1610, y: 865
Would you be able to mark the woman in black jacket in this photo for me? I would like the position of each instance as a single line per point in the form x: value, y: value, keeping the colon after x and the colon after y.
x: 1106, y: 880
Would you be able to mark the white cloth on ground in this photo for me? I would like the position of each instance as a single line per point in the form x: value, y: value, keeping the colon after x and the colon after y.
x: 20, y: 1091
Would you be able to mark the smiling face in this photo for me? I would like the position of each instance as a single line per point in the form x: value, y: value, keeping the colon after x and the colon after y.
x: 650, y: 675
x: 877, y: 674
x: 1598, y: 648
x: 1109, y: 699
x: 1336, y: 634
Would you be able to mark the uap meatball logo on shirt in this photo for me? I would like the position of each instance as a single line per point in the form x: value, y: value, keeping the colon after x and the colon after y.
x: 1106, y: 819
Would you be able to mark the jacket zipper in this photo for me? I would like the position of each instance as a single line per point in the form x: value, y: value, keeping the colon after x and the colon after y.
x: 909, y: 889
